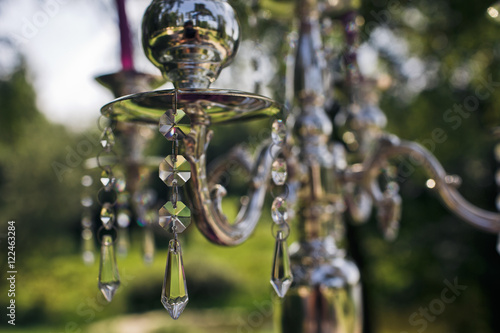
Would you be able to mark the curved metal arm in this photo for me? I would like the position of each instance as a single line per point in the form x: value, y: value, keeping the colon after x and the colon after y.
x: 391, y: 146
x: 207, y: 197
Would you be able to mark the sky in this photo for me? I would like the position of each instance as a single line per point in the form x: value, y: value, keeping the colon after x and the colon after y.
x: 66, y: 44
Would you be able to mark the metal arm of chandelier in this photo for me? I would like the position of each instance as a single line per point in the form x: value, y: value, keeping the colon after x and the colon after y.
x: 390, y: 146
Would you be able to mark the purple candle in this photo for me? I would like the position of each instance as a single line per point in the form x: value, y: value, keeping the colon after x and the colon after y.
x: 127, y: 58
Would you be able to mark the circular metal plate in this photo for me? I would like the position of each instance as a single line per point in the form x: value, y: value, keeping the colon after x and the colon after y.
x: 218, y: 105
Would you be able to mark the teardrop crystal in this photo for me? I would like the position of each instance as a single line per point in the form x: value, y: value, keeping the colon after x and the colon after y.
x: 88, y: 246
x: 109, y: 280
x: 279, y: 211
x: 498, y: 244
x: 279, y: 171
x: 122, y: 242
x: 107, y: 139
x: 174, y: 295
x: 107, y: 216
x: 281, y: 276
x: 497, y: 152
x: 389, y: 215
x: 278, y: 132
x: 148, y: 245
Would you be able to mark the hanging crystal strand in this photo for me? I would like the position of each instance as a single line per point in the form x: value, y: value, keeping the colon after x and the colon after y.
x: 497, y: 181
x: 174, y: 216
x: 389, y: 208
x: 123, y: 216
x: 145, y: 199
x: 109, y: 280
x: 281, y: 274
x: 88, y: 247
x: 148, y: 245
x: 123, y: 219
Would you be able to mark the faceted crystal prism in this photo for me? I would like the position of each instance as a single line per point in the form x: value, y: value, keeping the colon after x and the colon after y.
x: 497, y: 152
x: 174, y: 295
x: 175, y: 173
x: 278, y: 132
x: 107, y: 139
x: 174, y: 126
x: 279, y: 211
x: 109, y: 280
x: 87, y: 246
x: 498, y: 244
x: 279, y: 171
x: 178, y: 216
x: 107, y: 216
x: 148, y: 245
x: 281, y: 276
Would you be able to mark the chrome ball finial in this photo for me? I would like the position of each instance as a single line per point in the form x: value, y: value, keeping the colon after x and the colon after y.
x: 190, y: 41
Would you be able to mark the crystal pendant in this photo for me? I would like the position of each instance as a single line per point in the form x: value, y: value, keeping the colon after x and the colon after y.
x: 497, y: 152
x: 107, y: 139
x: 107, y: 179
x: 107, y: 216
x: 174, y: 126
x: 123, y: 241
x: 279, y: 211
x: 109, y: 280
x: 87, y: 246
x: 389, y: 215
x: 279, y: 171
x: 178, y: 216
x: 278, y: 132
x: 175, y: 173
x: 281, y: 276
x: 174, y: 295
x: 149, y: 245
x: 498, y: 244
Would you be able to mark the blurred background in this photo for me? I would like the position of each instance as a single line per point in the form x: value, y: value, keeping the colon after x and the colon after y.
x: 434, y: 65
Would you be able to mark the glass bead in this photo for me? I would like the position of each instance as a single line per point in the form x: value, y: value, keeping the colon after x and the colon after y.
x: 178, y: 217
x: 278, y: 133
x: 279, y: 211
x: 174, y: 126
x: 279, y: 171
x: 175, y: 173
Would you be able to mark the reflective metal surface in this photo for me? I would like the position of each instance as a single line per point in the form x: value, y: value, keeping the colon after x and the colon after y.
x: 206, y: 196
x: 190, y: 41
x: 389, y: 146
x: 129, y: 82
x: 326, y: 294
x: 217, y: 104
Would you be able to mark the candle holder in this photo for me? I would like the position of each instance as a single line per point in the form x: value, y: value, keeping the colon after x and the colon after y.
x: 191, y: 41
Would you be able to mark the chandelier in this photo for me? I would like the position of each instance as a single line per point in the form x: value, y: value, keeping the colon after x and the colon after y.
x: 314, y: 180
